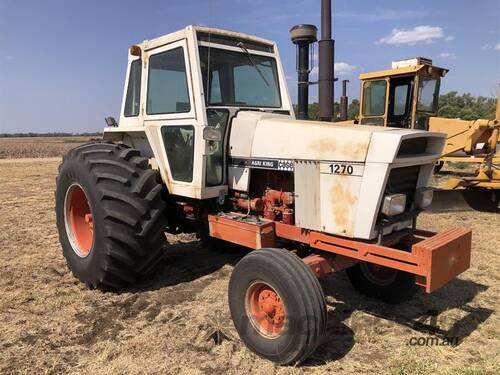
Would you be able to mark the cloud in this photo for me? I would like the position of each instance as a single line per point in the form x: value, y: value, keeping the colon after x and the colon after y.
x: 489, y: 47
x: 419, y: 34
x: 449, y: 38
x: 341, y: 69
x: 447, y: 55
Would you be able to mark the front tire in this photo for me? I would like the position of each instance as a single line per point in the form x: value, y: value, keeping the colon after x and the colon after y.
x: 277, y: 305
x: 110, y: 214
x: 386, y: 284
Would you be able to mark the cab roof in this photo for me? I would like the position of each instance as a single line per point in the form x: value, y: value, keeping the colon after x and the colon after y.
x: 431, y: 70
x: 200, y: 30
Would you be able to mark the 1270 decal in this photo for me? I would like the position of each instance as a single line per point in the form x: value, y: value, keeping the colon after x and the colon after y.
x: 350, y: 169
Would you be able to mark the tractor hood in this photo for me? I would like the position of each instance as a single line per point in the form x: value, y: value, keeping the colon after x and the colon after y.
x: 258, y: 135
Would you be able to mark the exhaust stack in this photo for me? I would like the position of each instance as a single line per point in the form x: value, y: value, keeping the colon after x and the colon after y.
x: 497, y: 115
x: 326, y: 69
x: 344, y: 100
x: 302, y: 36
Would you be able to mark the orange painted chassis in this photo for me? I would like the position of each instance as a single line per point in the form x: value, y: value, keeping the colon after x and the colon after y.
x: 435, y: 258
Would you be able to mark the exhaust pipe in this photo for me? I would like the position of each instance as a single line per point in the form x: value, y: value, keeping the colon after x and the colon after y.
x: 302, y: 36
x: 497, y: 115
x: 326, y: 70
x: 344, y: 100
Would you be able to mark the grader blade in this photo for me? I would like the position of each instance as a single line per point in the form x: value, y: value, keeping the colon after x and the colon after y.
x: 477, y: 199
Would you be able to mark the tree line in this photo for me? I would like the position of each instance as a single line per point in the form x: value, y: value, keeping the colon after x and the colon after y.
x: 53, y: 134
x: 451, y: 105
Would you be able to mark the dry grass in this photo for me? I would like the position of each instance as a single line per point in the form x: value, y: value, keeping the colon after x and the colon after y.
x: 39, y: 147
x: 50, y: 323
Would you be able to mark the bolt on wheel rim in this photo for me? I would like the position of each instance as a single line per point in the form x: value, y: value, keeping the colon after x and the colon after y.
x: 78, y: 220
x: 265, y: 309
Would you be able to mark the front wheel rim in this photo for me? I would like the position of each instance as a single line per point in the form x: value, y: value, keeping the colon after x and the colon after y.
x: 79, y: 221
x: 265, y: 309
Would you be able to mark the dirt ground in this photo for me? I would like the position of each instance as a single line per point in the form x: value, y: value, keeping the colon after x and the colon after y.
x: 50, y: 323
x: 38, y: 147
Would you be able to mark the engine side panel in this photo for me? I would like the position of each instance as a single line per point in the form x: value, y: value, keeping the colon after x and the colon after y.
x: 339, y: 203
x: 307, y: 195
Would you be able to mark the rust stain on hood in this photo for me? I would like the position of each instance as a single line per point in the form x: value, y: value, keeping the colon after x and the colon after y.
x: 343, y: 204
x: 309, y: 140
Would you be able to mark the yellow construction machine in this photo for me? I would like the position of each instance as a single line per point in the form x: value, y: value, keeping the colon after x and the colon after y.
x: 406, y: 96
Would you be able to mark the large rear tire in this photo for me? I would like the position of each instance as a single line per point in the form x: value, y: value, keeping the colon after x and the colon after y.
x: 110, y: 214
x: 277, y: 305
x: 383, y: 283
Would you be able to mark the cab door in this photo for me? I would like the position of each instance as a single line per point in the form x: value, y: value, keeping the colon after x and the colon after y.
x: 170, y: 118
x: 400, y: 102
x: 374, y: 101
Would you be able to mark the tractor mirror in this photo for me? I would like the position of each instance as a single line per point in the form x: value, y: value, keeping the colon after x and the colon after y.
x: 212, y: 134
x: 110, y: 121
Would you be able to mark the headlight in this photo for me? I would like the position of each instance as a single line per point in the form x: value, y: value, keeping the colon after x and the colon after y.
x: 423, y: 197
x: 394, y: 204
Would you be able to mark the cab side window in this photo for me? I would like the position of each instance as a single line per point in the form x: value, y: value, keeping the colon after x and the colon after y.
x: 133, y: 99
x: 401, y: 99
x: 179, y: 144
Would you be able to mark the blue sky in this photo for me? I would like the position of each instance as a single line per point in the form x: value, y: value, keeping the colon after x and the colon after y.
x: 62, y: 62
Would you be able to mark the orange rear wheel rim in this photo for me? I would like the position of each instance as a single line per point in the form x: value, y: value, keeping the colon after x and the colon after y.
x: 79, y: 220
x: 265, y: 309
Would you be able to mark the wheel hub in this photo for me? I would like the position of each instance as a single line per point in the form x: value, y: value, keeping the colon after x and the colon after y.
x: 265, y: 309
x: 79, y: 220
x: 379, y: 275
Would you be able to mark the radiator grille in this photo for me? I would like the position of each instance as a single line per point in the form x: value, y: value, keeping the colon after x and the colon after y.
x: 403, y: 181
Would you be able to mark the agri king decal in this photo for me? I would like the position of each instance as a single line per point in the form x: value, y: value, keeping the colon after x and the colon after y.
x: 275, y: 164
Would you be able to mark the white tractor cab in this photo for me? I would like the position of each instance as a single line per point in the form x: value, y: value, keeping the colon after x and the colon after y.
x: 168, y: 113
x: 208, y: 142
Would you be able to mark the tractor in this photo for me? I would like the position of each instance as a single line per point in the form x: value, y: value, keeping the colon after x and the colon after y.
x: 406, y: 96
x: 207, y: 142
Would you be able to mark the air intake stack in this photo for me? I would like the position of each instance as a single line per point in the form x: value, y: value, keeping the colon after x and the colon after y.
x: 303, y: 36
x: 344, y: 101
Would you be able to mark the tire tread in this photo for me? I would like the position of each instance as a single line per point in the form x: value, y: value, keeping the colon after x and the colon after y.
x: 132, y: 209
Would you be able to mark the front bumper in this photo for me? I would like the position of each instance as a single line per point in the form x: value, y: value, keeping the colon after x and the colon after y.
x: 434, y: 258
x: 443, y: 256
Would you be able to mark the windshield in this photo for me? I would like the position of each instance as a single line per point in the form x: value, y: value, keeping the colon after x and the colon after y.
x: 239, y: 79
x: 428, y: 89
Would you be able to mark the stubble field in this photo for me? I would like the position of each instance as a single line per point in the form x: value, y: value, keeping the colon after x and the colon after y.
x: 39, y: 147
x: 50, y: 323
